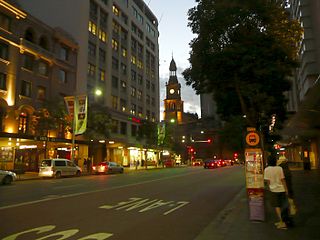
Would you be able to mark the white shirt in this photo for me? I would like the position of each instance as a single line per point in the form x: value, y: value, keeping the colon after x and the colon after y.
x: 274, y: 174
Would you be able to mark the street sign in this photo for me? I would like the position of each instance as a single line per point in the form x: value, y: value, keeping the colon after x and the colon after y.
x: 252, y: 139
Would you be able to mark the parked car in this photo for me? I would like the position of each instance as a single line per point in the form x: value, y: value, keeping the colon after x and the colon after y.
x: 168, y: 163
x: 107, y: 167
x: 58, y: 167
x: 7, y: 177
x: 210, y: 163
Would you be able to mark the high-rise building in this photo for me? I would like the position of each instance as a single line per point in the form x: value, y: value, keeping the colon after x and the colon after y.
x: 302, y: 130
x: 37, y: 66
x: 118, y: 55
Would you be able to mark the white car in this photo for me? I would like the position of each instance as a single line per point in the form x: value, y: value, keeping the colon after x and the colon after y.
x: 58, y: 167
x: 7, y: 177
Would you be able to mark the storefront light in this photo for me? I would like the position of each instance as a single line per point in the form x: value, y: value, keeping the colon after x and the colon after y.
x: 27, y: 146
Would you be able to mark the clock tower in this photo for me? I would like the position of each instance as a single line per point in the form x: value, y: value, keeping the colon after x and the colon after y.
x: 173, y: 105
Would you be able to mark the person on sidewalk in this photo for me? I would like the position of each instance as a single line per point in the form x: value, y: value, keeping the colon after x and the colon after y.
x: 283, y: 162
x: 275, y: 179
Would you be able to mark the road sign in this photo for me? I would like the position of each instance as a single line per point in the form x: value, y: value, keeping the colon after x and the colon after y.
x: 252, y: 139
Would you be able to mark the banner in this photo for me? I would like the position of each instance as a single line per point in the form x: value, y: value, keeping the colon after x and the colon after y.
x: 77, y: 106
x: 161, y: 133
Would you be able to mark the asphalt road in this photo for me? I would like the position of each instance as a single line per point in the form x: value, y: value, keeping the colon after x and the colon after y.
x: 175, y: 203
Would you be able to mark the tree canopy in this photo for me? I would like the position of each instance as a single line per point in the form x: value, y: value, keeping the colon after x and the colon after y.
x: 244, y: 53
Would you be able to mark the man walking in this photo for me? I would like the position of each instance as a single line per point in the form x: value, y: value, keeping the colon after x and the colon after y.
x: 275, y: 179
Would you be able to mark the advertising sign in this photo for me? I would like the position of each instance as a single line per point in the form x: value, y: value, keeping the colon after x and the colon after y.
x: 255, y: 183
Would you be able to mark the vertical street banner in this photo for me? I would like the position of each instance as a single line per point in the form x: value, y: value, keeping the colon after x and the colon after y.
x: 161, y: 133
x: 77, y: 107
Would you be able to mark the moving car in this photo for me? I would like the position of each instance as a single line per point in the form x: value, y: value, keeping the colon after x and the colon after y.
x: 197, y: 162
x: 58, y: 167
x: 210, y: 163
x: 107, y: 167
x: 7, y: 177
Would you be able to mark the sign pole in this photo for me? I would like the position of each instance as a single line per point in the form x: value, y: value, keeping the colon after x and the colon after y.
x: 73, y: 128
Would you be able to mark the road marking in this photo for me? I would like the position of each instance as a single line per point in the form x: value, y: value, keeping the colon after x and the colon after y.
x: 96, y: 191
x: 68, y: 186
x: 145, y: 205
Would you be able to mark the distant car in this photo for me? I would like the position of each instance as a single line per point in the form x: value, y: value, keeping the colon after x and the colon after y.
x: 107, y: 167
x: 168, y: 163
x: 210, y: 163
x: 58, y: 167
x: 7, y: 177
x: 197, y: 162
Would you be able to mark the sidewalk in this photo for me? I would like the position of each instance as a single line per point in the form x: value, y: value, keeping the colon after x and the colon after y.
x: 233, y: 222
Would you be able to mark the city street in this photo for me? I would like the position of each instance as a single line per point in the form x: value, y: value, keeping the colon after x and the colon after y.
x: 176, y: 203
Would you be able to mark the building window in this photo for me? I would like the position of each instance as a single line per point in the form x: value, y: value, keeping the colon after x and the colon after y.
x: 133, y: 92
x: 124, y: 69
x: 139, y: 95
x: 153, y: 101
x: 114, y: 100
x: 148, y: 84
x: 3, y: 81
x: 23, y: 122
x: 102, y: 36
x: 41, y: 93
x: 133, y: 109
x: 29, y: 35
x: 102, y: 55
x: 64, y: 53
x: 153, y: 88
x: 25, y: 89
x: 123, y: 105
x: 133, y: 75
x: 114, y: 126
x: 124, y: 52
x: 28, y: 62
x: 133, y: 130
x: 133, y: 60
x: 5, y: 22
x: 62, y: 76
x: 91, y: 49
x: 123, y: 86
x: 124, y: 18
x: 4, y: 51
x: 115, y: 63
x: 140, y: 79
x: 115, y: 81
x: 103, y: 19
x: 140, y: 111
x: 92, y: 28
x: 115, y: 45
x: 93, y: 10
x: 102, y: 74
x: 115, y: 10
x: 43, y: 68
x: 91, y: 70
x: 123, y: 128
x: 148, y: 99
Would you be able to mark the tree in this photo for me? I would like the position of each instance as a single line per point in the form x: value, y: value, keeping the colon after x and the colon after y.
x: 244, y: 52
x: 99, y: 122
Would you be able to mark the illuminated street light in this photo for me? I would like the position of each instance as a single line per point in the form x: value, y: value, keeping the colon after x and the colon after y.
x: 98, y: 92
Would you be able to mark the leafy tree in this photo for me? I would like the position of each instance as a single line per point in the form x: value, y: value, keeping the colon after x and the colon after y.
x: 148, y: 132
x: 98, y: 122
x: 244, y: 52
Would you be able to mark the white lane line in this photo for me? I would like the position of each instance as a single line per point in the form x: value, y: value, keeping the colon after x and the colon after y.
x: 94, y: 191
x: 69, y: 186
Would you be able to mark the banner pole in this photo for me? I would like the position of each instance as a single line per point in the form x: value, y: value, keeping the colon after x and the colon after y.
x: 73, y: 128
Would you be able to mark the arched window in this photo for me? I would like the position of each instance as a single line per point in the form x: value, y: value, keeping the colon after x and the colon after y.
x: 23, y: 122
x: 29, y: 35
x: 2, y: 116
x: 173, y: 106
x: 43, y: 42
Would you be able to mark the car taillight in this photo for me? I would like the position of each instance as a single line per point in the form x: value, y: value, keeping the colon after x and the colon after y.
x: 94, y: 167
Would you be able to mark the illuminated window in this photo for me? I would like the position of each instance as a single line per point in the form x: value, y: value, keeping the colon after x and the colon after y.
x: 139, y: 94
x: 92, y: 28
x: 114, y: 45
x: 139, y: 64
x: 25, y: 89
x: 115, y: 10
x: 114, y: 102
x: 102, y: 35
x: 133, y: 60
x: 123, y: 86
x: 41, y: 94
x: 124, y: 52
x: 23, y: 122
x: 123, y: 105
x: 3, y: 81
x: 102, y: 74
x: 133, y: 91
x: 133, y: 109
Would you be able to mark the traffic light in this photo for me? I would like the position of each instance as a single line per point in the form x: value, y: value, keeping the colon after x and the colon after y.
x: 235, y: 155
x: 209, y: 140
x: 191, y: 150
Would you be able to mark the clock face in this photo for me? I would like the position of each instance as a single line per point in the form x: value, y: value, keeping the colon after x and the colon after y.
x: 171, y: 91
